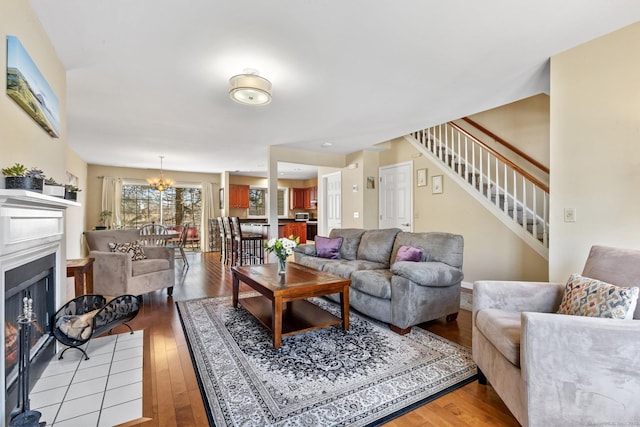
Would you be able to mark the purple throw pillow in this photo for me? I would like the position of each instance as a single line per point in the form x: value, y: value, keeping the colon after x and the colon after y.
x: 409, y: 253
x: 328, y: 248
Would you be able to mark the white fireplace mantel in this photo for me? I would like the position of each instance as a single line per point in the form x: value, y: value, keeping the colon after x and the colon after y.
x: 31, y: 226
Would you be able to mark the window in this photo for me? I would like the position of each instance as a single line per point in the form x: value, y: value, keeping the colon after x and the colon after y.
x: 141, y: 205
x: 259, y: 202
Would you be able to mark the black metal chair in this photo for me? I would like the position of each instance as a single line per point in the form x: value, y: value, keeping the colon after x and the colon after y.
x: 91, y: 315
x: 248, y: 246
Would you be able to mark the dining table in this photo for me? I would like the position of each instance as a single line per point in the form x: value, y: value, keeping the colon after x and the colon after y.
x: 159, y: 239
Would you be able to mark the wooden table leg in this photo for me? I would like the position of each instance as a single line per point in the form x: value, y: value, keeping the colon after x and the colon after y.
x: 236, y: 287
x: 276, y: 321
x: 89, y: 279
x: 78, y: 280
x: 344, y: 306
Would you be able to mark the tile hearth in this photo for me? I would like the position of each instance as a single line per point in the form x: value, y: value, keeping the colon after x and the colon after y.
x: 105, y: 390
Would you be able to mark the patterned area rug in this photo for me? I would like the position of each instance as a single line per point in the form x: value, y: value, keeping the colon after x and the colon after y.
x: 365, y: 376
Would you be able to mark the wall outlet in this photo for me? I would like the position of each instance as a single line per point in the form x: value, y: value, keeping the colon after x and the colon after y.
x: 569, y: 214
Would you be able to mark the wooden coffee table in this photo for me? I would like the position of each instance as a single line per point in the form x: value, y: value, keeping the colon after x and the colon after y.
x: 282, y: 308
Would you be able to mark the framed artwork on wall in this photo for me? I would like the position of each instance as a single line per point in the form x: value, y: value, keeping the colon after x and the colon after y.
x: 221, y: 196
x: 436, y: 184
x: 30, y: 90
x: 421, y: 177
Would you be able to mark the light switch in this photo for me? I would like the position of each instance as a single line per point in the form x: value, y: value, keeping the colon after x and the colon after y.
x: 356, y: 214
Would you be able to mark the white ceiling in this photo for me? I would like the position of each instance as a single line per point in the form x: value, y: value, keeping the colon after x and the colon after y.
x: 150, y: 77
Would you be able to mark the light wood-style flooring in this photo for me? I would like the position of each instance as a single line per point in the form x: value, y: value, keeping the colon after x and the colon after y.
x: 171, y: 395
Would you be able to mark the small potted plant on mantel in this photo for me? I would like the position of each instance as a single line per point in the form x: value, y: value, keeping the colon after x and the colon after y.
x: 52, y: 188
x: 17, y: 177
x: 71, y: 192
x: 104, y: 216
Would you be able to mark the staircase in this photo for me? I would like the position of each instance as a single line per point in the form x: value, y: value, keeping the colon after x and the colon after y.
x: 517, y: 198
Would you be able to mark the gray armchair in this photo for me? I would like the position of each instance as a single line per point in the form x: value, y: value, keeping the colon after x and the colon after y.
x: 552, y: 369
x: 116, y: 274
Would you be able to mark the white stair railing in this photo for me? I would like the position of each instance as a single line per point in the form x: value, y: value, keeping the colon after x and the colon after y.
x: 509, y: 188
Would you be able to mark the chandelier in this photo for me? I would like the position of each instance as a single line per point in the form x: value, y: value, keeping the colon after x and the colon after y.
x: 161, y: 183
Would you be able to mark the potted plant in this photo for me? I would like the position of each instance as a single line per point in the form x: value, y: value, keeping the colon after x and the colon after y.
x: 16, y: 177
x: 104, y: 216
x: 52, y: 188
x: 71, y: 192
x: 37, y: 179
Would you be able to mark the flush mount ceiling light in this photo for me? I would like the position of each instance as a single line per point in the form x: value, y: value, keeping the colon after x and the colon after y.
x: 250, y: 89
x: 161, y: 183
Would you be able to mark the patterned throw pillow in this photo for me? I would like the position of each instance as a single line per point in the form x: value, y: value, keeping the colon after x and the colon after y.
x: 132, y: 248
x: 589, y: 297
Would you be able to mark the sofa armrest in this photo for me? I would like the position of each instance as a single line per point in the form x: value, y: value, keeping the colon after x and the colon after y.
x: 517, y: 296
x: 159, y: 252
x: 428, y: 273
x: 113, y: 261
x: 306, y: 249
x: 580, y: 370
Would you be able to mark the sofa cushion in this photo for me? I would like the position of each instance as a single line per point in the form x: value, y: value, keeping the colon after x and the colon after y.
x: 436, y: 246
x: 99, y: 240
x: 133, y: 249
x: 351, y: 240
x: 344, y: 268
x: 315, y: 262
x: 145, y: 266
x: 409, y: 253
x: 327, y: 247
x: 502, y: 329
x: 372, y: 282
x: 584, y: 296
x: 376, y: 245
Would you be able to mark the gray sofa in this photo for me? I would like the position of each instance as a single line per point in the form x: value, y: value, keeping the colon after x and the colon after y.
x: 560, y: 370
x: 115, y: 273
x: 401, y: 293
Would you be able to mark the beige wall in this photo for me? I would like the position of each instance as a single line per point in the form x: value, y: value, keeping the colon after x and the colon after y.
x: 523, y: 123
x: 491, y: 250
x: 595, y: 154
x: 22, y: 140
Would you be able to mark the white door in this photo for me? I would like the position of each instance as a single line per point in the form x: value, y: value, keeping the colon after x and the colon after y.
x: 395, y: 195
x: 333, y: 198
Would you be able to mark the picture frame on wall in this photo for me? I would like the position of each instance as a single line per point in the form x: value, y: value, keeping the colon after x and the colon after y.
x: 436, y: 184
x: 371, y: 183
x: 221, y: 197
x: 421, y: 177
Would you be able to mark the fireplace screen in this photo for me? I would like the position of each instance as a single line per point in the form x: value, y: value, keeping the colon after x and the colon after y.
x: 35, y: 280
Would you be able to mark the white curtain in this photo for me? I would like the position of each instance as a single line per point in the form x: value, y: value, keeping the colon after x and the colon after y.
x: 208, y: 211
x: 111, y: 199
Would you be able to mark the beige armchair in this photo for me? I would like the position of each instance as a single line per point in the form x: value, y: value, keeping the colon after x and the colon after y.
x: 559, y: 370
x: 115, y: 273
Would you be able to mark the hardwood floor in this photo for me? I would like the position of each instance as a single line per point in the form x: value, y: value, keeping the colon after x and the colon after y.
x: 171, y: 393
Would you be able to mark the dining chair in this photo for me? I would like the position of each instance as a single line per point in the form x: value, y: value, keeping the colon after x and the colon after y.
x: 229, y: 242
x: 223, y: 240
x: 248, y: 246
x: 151, y: 230
x: 180, y: 244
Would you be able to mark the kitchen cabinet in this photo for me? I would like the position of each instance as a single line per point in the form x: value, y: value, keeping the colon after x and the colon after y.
x: 297, y: 198
x: 238, y: 196
x: 311, y: 198
x: 295, y: 229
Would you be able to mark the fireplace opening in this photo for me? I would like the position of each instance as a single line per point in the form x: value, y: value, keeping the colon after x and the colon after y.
x: 35, y: 280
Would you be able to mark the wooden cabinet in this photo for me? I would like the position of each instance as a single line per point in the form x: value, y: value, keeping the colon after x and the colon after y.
x: 304, y: 198
x: 238, y: 196
x: 297, y: 198
x: 296, y: 229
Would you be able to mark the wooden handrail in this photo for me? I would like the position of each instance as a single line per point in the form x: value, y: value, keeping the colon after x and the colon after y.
x: 506, y: 144
x: 523, y: 172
